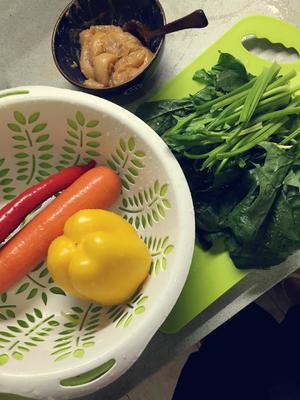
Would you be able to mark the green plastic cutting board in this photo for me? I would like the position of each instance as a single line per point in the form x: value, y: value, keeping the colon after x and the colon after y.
x: 213, y: 273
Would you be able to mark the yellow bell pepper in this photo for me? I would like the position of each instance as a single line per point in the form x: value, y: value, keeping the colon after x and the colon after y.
x: 100, y: 257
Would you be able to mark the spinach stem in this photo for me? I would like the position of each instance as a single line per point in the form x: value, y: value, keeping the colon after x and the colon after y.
x: 293, y: 135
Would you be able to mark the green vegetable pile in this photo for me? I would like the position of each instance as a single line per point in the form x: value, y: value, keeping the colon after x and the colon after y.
x: 237, y: 141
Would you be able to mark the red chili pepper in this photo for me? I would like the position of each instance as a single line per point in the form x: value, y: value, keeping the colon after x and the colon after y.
x: 13, y: 213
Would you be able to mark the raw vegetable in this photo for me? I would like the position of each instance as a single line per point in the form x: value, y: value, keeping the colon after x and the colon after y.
x: 227, y: 75
x: 224, y: 77
x: 97, y: 188
x: 13, y: 213
x: 240, y: 153
x: 100, y: 257
x: 258, y: 214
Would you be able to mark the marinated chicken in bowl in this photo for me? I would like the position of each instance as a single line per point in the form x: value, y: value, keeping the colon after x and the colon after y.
x: 110, y: 57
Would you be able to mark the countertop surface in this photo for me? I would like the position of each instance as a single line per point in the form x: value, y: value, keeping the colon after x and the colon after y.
x: 26, y: 59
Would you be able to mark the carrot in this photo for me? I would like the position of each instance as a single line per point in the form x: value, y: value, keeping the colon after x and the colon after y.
x: 97, y: 188
x: 13, y: 213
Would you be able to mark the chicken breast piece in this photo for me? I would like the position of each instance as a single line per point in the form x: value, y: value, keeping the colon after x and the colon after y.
x: 110, y: 56
x: 103, y: 67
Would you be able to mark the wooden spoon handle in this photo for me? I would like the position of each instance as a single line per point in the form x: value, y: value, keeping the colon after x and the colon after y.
x: 196, y: 19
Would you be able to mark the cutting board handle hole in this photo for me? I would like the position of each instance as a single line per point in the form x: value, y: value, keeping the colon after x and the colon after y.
x: 264, y: 48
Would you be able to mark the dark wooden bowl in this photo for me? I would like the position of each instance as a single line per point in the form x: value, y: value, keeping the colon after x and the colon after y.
x: 81, y: 14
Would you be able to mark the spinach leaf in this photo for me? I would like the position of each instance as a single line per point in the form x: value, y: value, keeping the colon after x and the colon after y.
x: 279, y: 237
x: 161, y: 115
x: 205, y: 77
x: 206, y: 94
x: 265, y: 182
x: 258, y: 214
x: 228, y: 74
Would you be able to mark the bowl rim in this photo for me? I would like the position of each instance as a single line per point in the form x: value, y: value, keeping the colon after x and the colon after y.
x: 109, y: 90
x: 156, y: 314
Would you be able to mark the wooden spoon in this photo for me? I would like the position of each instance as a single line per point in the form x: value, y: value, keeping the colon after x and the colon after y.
x: 196, y: 19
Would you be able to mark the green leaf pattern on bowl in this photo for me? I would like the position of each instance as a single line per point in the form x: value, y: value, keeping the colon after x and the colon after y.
x: 146, y: 207
x: 33, y: 149
x: 82, y: 141
x: 78, y: 332
x: 24, y: 334
x: 128, y: 161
